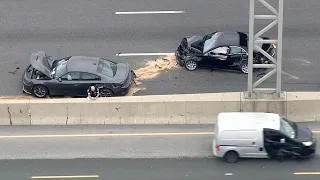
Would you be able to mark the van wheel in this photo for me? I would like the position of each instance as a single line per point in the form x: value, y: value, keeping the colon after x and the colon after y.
x: 231, y: 157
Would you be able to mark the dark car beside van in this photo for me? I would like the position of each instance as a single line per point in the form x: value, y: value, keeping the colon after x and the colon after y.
x: 261, y: 135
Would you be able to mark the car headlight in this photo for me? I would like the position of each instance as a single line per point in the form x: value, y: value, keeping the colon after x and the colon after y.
x: 309, y: 143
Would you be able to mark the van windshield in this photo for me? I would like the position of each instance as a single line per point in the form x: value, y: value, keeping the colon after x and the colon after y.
x: 288, y: 128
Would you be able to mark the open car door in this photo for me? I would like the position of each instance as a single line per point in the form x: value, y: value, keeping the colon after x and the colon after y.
x: 278, y: 146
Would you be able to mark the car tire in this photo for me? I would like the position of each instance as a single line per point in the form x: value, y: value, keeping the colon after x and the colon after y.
x: 231, y: 157
x: 40, y: 91
x: 106, y: 92
x: 244, y: 67
x: 191, y: 65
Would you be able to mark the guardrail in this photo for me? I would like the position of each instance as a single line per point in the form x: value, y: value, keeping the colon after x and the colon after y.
x: 159, y: 109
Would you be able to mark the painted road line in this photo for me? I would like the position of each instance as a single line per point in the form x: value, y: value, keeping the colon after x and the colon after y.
x: 113, y: 135
x: 149, y: 12
x: 306, y: 173
x: 144, y: 54
x: 64, y: 177
x: 106, y: 135
x: 290, y: 75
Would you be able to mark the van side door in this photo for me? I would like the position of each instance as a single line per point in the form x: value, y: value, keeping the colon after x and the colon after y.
x: 254, y: 144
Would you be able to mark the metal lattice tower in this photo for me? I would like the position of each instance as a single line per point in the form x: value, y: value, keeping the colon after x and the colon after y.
x: 253, y: 41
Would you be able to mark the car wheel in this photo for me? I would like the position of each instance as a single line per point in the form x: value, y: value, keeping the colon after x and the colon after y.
x: 191, y: 65
x: 244, y: 67
x: 40, y: 91
x: 231, y: 157
x: 106, y: 93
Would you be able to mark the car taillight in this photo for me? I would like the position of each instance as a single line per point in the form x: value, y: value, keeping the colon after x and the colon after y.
x: 217, y: 148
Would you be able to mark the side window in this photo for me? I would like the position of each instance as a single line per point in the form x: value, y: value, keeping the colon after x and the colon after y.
x: 90, y: 77
x: 272, y: 135
x: 71, y: 76
x: 236, y: 50
x: 220, y: 51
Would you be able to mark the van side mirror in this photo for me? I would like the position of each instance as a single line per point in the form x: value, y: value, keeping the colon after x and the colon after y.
x: 282, y: 141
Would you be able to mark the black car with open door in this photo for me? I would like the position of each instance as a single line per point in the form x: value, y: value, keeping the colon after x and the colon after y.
x: 223, y: 50
x: 291, y: 141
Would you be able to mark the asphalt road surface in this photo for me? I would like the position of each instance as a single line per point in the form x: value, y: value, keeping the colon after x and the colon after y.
x: 92, y: 28
x: 158, y: 169
x: 69, y: 142
x: 133, y: 153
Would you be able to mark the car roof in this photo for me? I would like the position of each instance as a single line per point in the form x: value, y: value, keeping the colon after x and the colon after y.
x: 83, y: 64
x: 227, y: 39
x: 248, y: 120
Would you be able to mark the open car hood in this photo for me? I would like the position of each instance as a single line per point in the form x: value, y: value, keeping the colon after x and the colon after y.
x: 39, y: 61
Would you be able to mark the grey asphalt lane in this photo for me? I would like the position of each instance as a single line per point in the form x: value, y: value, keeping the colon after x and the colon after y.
x: 80, y: 27
x: 114, y: 142
x: 159, y: 169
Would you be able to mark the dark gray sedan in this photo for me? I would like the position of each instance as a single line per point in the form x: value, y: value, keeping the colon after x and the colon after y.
x: 73, y: 75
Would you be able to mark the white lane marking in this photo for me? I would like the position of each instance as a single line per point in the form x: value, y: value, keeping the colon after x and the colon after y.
x: 302, y: 60
x: 150, y: 12
x: 228, y: 174
x: 290, y: 75
x: 144, y: 54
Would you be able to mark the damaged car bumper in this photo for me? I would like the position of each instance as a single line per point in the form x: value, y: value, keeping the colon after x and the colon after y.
x: 182, y: 55
x: 180, y: 59
x: 125, y: 87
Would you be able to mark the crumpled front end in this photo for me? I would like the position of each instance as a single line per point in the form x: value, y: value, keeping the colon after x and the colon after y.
x: 182, y: 52
x: 186, y: 49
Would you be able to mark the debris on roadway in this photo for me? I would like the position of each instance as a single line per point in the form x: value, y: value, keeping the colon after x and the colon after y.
x: 153, y: 68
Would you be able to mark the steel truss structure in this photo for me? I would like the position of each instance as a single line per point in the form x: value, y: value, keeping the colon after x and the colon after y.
x: 253, y: 41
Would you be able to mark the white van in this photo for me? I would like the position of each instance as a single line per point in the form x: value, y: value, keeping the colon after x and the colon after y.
x: 260, y: 135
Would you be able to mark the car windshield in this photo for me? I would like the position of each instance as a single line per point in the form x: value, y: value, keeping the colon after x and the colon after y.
x: 288, y: 128
x: 59, y: 67
x: 107, y: 68
x: 210, y: 41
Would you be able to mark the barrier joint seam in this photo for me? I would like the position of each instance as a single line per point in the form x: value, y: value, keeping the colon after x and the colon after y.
x: 9, y: 113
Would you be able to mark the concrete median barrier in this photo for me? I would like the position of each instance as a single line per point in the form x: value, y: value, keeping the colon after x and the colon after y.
x: 4, y: 114
x: 19, y: 112
x: 204, y: 108
x: 278, y: 106
x: 161, y: 109
x: 48, y: 111
x: 303, y: 106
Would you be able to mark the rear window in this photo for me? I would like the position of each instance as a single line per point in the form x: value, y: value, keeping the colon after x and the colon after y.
x: 107, y: 68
